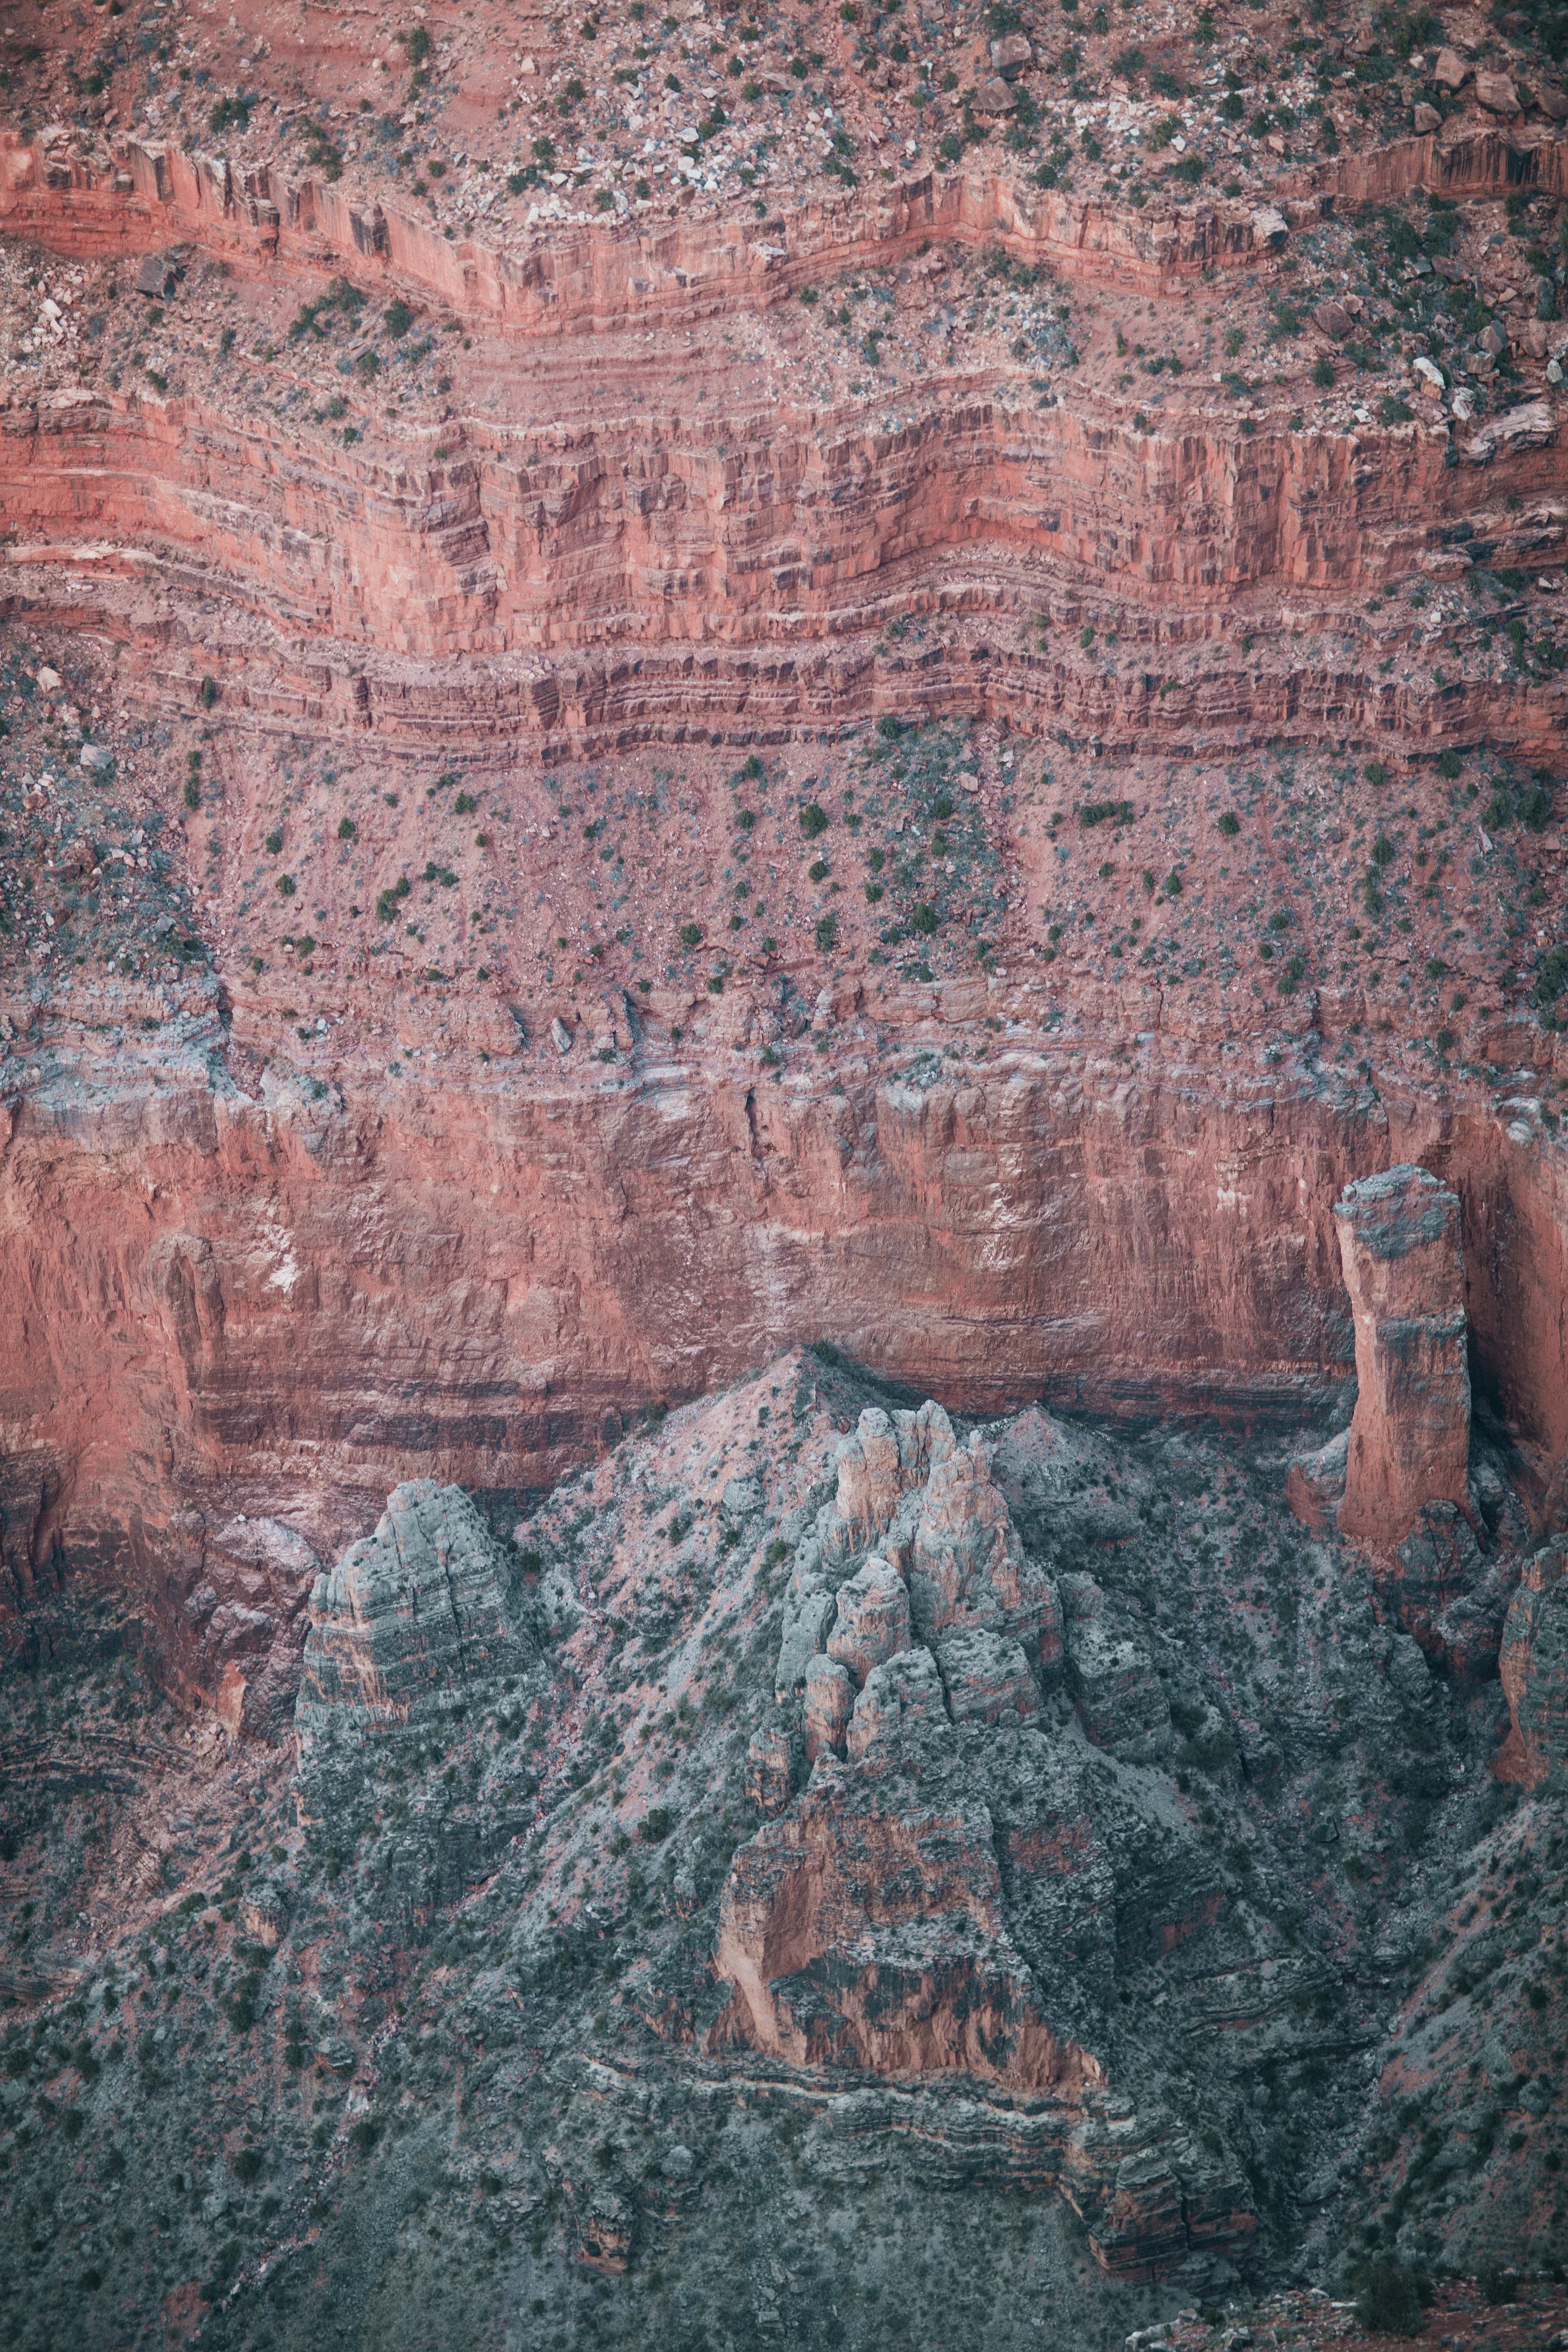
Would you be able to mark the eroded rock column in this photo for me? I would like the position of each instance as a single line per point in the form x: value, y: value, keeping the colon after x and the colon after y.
x: 1410, y: 1438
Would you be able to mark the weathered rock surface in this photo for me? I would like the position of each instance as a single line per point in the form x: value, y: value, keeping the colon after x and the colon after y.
x: 872, y: 1623
x: 967, y: 1568
x: 853, y: 1936
x: 1533, y: 1666
x: 829, y: 1704
x: 409, y: 1616
x: 245, y: 1606
x: 987, y: 1679
x: 1410, y: 1438
x: 899, y: 1697
x: 1111, y: 1680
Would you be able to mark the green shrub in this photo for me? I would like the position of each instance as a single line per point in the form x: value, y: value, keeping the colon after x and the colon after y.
x: 827, y: 932
x: 1229, y: 823
x: 1448, y: 764
x: 208, y: 693
x: 813, y: 820
x: 193, y: 794
x: 656, y: 1825
x: 691, y: 935
x: 1391, y: 2300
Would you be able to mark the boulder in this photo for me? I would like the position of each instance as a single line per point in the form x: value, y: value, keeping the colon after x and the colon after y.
x: 1425, y: 120
x: 1450, y: 72
x: 1410, y: 1436
x: 829, y: 1704
x: 742, y: 1499
x: 1111, y: 1680
x: 873, y: 1620
x: 157, y: 277
x: 1534, y: 1664
x: 1497, y: 93
x: 1553, y: 104
x: 1010, y: 55
x: 264, y: 1915
x: 987, y: 1680
x: 1334, y: 320
x: 997, y: 96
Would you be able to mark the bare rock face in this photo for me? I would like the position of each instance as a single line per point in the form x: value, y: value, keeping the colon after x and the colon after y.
x: 1315, y: 1482
x: 409, y: 1615
x: 245, y: 1609
x: 873, y: 1621
x: 829, y: 1704
x: 1534, y: 1669
x: 852, y: 1935
x: 905, y: 1691
x: 968, y: 1570
x: 889, y: 1456
x: 770, y: 1780
x: 809, y: 1609
x: 1114, y: 1687
x: 987, y: 1680
x: 1410, y: 1438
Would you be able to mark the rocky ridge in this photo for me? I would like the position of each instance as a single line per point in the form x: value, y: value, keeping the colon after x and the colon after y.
x: 1104, y: 1926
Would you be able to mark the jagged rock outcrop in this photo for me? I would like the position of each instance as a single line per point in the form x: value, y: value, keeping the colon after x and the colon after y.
x: 770, y: 1775
x: 872, y: 1623
x: 829, y: 1704
x: 967, y: 1568
x: 410, y: 1615
x: 1533, y: 1665
x: 243, y: 1616
x: 987, y: 1679
x: 1410, y: 1437
x: 905, y: 1691
x: 1120, y: 1700
x: 851, y: 1934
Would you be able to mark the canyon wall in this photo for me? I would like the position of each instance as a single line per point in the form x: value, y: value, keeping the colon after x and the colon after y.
x: 219, y: 1301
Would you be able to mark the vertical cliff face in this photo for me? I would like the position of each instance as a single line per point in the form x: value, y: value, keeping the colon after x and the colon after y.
x: 1410, y: 1438
x: 1534, y: 1670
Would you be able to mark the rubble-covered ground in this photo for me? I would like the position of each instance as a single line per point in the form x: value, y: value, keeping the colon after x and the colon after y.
x: 409, y: 2030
